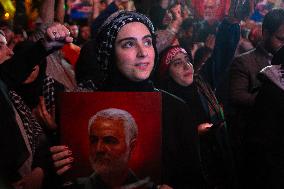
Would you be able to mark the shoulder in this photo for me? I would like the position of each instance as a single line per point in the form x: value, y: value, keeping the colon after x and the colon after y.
x: 169, y: 96
x: 245, y: 60
x: 175, y: 110
x: 245, y: 56
x: 76, y: 184
x: 82, y: 182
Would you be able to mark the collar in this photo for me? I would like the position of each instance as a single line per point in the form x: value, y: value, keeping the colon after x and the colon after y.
x: 274, y: 74
x: 267, y: 54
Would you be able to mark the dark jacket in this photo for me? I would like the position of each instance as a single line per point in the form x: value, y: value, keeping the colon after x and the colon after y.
x: 216, y: 157
x: 94, y: 181
x: 216, y: 69
x: 180, y: 154
x: 264, y: 137
x: 244, y: 86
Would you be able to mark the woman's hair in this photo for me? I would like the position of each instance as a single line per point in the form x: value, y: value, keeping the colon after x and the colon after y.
x: 107, y: 33
x: 278, y: 58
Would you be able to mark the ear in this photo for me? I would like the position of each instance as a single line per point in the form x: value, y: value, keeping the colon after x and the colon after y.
x: 133, y: 144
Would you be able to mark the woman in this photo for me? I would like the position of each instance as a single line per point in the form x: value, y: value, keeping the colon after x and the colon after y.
x: 126, y: 54
x: 206, y: 113
x: 38, y: 93
x: 26, y: 171
x: 176, y: 75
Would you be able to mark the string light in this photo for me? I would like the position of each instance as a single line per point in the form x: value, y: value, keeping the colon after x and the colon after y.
x: 6, y: 16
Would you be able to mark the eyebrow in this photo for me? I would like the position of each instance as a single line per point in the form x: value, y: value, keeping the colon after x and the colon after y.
x: 133, y: 38
x: 176, y: 59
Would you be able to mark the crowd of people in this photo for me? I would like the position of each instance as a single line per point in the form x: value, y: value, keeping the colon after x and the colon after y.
x: 219, y: 74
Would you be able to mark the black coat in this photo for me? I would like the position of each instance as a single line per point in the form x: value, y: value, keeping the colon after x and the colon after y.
x: 180, y: 154
x: 265, y: 139
x: 215, y: 152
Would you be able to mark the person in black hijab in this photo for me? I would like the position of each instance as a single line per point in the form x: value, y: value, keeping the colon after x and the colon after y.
x: 19, y: 163
x: 126, y: 55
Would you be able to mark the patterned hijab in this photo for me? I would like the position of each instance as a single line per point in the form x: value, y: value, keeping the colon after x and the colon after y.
x: 107, y: 34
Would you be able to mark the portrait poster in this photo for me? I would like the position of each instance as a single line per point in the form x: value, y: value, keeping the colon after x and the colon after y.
x: 211, y: 9
x: 75, y: 110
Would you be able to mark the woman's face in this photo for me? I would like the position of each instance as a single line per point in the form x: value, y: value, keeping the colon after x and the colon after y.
x: 134, y: 51
x: 181, y: 70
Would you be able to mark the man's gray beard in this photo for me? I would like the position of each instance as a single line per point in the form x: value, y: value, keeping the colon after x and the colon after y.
x: 110, y: 168
x: 210, y: 17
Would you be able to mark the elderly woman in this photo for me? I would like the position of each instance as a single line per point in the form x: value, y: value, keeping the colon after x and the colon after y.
x: 126, y: 53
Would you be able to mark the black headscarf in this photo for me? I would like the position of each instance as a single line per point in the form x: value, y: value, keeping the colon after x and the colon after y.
x: 113, y: 78
x: 30, y: 92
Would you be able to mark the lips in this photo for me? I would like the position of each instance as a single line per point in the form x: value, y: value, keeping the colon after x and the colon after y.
x: 142, y: 66
x: 188, y: 74
x: 102, y: 160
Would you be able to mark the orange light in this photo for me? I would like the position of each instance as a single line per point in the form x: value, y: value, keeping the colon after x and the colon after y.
x: 7, y: 15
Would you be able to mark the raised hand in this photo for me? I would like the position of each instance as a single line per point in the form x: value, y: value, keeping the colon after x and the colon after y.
x: 204, y: 128
x: 56, y: 36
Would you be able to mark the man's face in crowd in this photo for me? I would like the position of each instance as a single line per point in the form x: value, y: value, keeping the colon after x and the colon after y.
x: 5, y: 52
x: 74, y: 30
x: 210, y: 8
x: 18, y: 38
x: 109, y: 146
x: 85, y: 32
x: 274, y: 41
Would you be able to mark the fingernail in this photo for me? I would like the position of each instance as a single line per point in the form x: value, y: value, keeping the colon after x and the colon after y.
x: 71, y: 159
x: 69, y: 152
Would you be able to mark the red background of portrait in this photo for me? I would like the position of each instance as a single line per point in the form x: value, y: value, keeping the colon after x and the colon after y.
x: 75, y: 110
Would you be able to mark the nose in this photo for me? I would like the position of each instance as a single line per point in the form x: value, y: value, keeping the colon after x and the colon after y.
x: 100, y: 147
x: 187, y: 66
x: 141, y: 51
